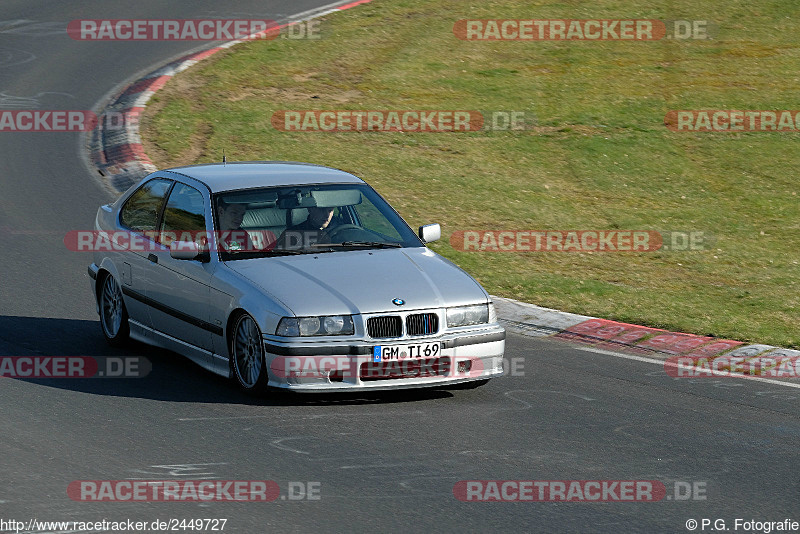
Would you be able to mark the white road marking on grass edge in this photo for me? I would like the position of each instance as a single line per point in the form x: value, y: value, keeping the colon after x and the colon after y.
x: 664, y: 363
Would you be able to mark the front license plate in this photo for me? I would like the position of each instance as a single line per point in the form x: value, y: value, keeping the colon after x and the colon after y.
x: 389, y: 353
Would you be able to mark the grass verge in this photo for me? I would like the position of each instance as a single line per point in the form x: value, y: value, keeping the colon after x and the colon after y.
x: 599, y: 157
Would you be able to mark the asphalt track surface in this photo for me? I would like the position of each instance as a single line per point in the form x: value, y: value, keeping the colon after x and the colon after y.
x: 384, y: 461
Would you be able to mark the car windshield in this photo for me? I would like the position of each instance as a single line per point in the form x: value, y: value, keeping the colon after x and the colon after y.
x: 282, y: 221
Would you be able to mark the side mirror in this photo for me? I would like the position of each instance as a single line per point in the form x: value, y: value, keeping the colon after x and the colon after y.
x: 184, y: 250
x: 430, y: 232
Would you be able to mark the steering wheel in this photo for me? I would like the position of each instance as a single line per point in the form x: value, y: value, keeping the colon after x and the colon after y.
x: 342, y: 228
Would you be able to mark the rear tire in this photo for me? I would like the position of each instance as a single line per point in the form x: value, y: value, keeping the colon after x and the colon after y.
x: 248, y: 367
x: 113, y: 314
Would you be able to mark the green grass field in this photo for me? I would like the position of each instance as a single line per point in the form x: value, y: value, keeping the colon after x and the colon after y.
x: 600, y: 156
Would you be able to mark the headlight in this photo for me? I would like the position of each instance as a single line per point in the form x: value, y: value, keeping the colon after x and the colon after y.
x: 467, y: 315
x: 335, y: 324
x: 309, y: 326
x: 331, y: 325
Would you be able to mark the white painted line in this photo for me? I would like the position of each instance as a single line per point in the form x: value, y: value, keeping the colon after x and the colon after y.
x: 522, y: 312
x: 320, y: 11
x: 664, y: 363
x: 310, y: 416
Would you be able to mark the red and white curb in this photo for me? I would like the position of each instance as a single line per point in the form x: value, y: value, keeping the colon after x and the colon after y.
x: 116, y: 151
x: 115, y: 146
x: 630, y: 339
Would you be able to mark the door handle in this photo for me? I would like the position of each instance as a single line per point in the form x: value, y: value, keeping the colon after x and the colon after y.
x: 153, y: 258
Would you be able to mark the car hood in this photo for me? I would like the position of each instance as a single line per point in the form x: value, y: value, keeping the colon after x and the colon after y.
x: 362, y: 281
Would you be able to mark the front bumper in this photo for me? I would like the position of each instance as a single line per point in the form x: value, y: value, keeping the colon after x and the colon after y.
x: 348, y: 366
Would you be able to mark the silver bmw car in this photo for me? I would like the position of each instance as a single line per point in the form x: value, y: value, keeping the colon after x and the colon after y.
x: 289, y: 275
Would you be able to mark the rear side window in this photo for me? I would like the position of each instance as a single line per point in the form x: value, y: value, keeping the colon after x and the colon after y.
x: 140, y: 212
x: 184, y: 217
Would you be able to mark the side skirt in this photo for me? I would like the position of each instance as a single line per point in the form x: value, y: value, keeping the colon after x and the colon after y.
x: 217, y: 364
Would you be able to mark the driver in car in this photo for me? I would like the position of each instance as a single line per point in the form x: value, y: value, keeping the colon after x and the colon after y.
x: 315, y: 229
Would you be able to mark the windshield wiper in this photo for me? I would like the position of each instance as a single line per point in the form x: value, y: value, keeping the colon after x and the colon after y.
x: 284, y: 252
x: 359, y: 244
x: 273, y: 252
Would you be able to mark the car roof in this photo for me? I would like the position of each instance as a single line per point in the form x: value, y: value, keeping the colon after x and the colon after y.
x: 250, y: 174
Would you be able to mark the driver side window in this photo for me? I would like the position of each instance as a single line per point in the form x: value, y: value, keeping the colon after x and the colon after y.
x: 372, y: 219
x: 184, y: 216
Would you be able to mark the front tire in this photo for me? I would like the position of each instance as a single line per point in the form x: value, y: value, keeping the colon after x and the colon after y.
x: 113, y: 314
x: 248, y: 367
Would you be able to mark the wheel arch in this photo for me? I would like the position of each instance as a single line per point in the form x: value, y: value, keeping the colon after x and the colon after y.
x: 232, y: 317
x: 98, y: 287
